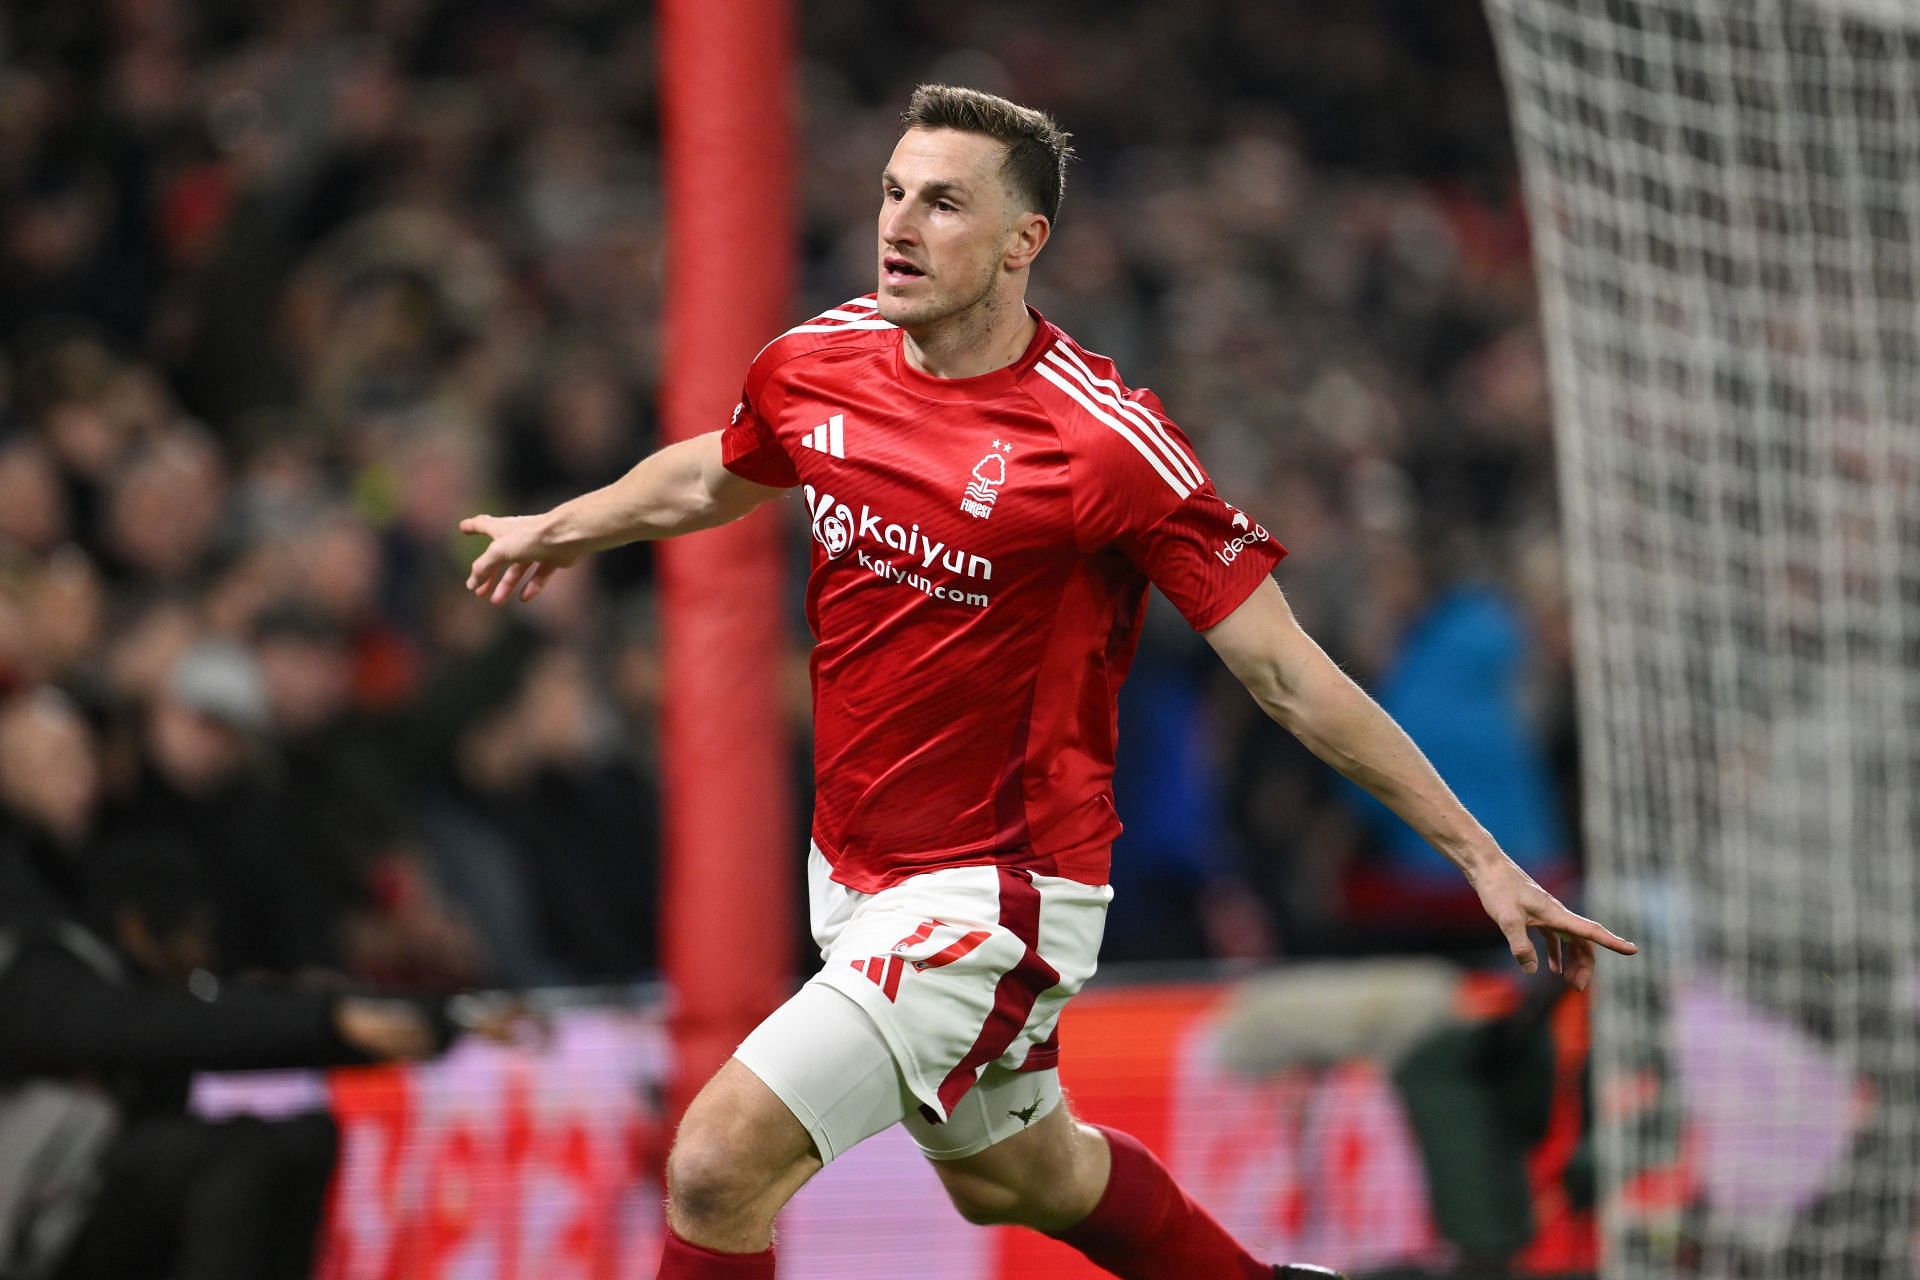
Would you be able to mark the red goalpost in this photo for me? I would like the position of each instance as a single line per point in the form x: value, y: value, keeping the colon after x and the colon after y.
x: 730, y: 851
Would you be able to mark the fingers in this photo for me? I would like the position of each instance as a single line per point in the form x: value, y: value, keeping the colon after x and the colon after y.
x: 1521, y: 945
x: 536, y: 581
x: 509, y: 583
x: 491, y: 568
x: 1570, y: 957
x: 497, y: 580
x: 1580, y: 963
x: 485, y: 567
x: 1570, y: 938
x: 1591, y: 930
x: 1570, y: 945
x: 486, y: 577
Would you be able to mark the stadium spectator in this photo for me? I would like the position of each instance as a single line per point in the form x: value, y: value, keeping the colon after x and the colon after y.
x: 204, y: 787
x: 349, y: 816
x: 107, y: 1004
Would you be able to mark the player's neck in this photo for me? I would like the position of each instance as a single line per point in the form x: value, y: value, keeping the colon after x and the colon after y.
x: 989, y: 336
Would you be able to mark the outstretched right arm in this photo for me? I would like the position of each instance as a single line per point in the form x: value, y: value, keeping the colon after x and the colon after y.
x: 682, y: 488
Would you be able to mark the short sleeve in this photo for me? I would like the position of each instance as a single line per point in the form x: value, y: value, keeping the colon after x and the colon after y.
x: 749, y: 449
x: 1205, y: 555
x: 1139, y: 488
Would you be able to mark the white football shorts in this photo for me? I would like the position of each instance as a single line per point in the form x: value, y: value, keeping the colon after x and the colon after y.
x: 937, y: 1005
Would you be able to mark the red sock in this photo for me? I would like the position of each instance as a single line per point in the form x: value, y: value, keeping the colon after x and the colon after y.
x: 683, y: 1261
x: 1146, y: 1228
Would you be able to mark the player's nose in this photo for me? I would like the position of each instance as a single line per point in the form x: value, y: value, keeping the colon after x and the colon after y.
x: 897, y: 226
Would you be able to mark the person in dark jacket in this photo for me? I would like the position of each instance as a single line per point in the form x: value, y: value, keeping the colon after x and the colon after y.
x: 107, y: 1005
x: 204, y: 781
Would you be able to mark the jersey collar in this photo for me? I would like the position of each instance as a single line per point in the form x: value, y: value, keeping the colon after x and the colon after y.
x: 980, y: 386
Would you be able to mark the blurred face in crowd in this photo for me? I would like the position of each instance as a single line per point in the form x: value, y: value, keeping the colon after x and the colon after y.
x: 33, y: 507
x: 441, y: 469
x: 66, y: 610
x: 192, y: 750
x: 586, y: 420
x: 953, y: 238
x: 164, y: 507
x: 86, y: 440
x: 48, y: 772
x: 141, y: 654
x: 340, y: 565
x: 309, y: 681
x: 557, y: 707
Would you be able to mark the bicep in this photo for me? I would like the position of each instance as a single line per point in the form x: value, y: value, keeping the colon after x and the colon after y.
x: 1262, y: 643
x: 729, y: 494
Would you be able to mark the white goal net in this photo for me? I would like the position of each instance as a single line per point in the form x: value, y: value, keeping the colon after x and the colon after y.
x: 1725, y: 197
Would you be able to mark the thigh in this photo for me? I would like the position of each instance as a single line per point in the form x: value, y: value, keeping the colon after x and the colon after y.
x: 1047, y: 1175
x: 821, y: 1057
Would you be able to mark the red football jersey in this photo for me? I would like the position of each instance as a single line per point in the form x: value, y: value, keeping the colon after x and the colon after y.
x: 981, y: 554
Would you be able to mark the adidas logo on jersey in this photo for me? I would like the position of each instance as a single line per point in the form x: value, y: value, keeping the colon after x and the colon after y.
x: 830, y: 437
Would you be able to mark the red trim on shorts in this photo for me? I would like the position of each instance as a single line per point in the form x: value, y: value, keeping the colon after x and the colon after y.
x: 1044, y: 1056
x: 918, y: 936
x: 954, y: 950
x: 1017, y: 991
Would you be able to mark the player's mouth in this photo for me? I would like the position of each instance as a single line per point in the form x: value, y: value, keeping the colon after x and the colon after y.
x: 896, y: 270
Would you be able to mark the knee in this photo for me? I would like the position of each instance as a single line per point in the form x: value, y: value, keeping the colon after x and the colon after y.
x: 709, y: 1180
x: 738, y: 1155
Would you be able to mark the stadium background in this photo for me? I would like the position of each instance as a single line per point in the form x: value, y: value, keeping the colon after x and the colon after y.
x: 289, y: 289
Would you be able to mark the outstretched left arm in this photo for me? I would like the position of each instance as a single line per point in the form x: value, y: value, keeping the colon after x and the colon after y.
x: 1302, y: 689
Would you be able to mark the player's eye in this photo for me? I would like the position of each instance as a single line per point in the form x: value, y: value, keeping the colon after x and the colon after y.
x: 946, y: 206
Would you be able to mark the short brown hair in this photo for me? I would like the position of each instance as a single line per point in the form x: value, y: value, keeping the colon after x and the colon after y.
x: 1037, y: 148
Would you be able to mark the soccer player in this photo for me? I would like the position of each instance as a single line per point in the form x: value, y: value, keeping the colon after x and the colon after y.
x: 989, y: 503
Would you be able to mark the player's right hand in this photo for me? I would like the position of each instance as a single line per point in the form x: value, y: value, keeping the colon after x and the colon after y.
x: 518, y: 559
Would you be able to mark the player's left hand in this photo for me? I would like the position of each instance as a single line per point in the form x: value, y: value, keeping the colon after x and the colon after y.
x: 1516, y: 902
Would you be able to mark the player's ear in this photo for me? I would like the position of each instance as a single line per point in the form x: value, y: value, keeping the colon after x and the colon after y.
x: 1026, y: 238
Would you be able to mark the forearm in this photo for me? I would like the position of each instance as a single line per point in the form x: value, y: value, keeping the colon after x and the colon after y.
x: 1339, y: 723
x: 1295, y: 682
x: 667, y: 493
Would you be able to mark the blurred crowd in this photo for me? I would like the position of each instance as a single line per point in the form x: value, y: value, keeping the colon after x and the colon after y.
x: 290, y: 288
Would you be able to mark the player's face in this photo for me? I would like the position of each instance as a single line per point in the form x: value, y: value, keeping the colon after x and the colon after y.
x: 946, y: 225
